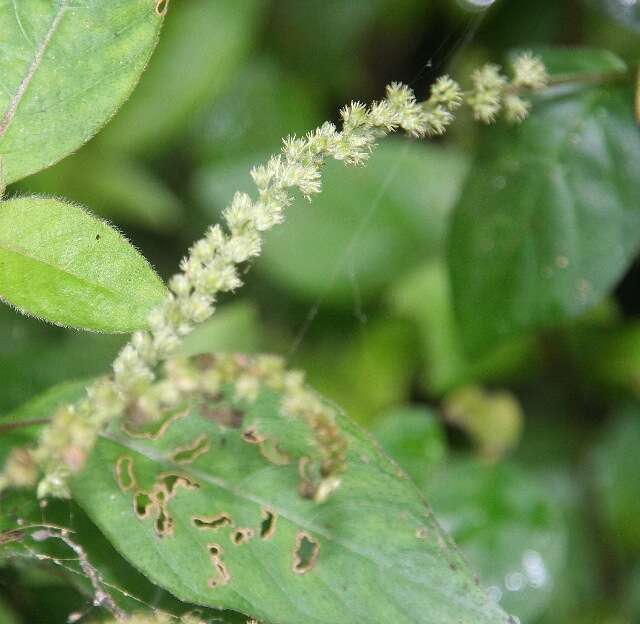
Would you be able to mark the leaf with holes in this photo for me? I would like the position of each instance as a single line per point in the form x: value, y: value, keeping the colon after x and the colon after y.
x: 59, y: 263
x: 549, y: 219
x: 206, y: 505
x: 67, y: 67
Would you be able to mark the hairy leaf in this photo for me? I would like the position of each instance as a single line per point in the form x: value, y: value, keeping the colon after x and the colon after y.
x: 62, y: 264
x: 67, y: 66
x: 549, y: 218
x: 233, y: 532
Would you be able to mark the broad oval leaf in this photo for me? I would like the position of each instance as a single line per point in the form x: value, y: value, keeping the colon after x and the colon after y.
x: 549, y: 218
x: 48, y: 50
x: 233, y: 532
x: 61, y: 264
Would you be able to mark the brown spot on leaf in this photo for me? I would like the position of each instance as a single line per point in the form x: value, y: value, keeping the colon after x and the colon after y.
x: 133, y: 426
x: 224, y: 415
x: 272, y: 452
x: 305, y: 553
x: 124, y: 473
x: 252, y: 436
x: 421, y: 533
x: 190, y: 452
x: 222, y: 576
x: 268, y: 524
x: 212, y: 522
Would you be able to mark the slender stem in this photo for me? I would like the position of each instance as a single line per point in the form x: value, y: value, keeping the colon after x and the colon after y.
x: 4, y: 427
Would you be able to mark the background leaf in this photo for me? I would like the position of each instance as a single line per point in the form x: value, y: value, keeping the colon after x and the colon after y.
x: 577, y: 63
x: 381, y: 555
x: 367, y: 226
x: 66, y: 68
x: 617, y: 480
x: 115, y: 186
x: 508, y: 526
x: 61, y: 264
x: 549, y: 218
x: 201, y: 47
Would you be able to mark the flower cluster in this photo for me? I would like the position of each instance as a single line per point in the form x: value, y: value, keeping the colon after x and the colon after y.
x: 493, y: 92
x: 213, y: 264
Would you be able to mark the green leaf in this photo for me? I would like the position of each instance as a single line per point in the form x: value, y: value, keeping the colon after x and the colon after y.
x: 6, y: 615
x: 415, y: 438
x: 60, y: 355
x: 617, y: 479
x: 67, y: 68
x: 115, y: 186
x: 63, y: 265
x: 382, y: 352
x: 130, y: 590
x: 371, y: 553
x: 366, y: 227
x: 264, y: 104
x: 580, y: 63
x: 202, y: 45
x: 232, y: 329
x: 549, y: 218
x: 508, y: 526
x: 424, y: 296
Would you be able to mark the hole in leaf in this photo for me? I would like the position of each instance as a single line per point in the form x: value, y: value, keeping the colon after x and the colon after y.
x: 222, y: 574
x: 171, y: 482
x: 124, y: 473
x: 187, y: 454
x: 161, y: 7
x: 143, y: 504
x: 268, y: 524
x: 305, y: 553
x: 241, y: 536
x: 164, y: 523
x: 212, y: 522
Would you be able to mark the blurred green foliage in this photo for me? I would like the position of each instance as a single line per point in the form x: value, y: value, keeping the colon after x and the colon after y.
x: 405, y: 281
